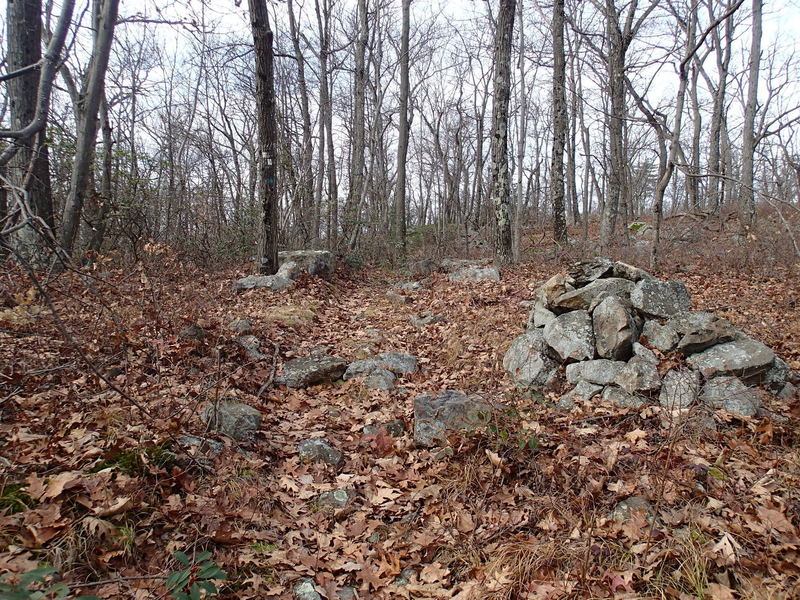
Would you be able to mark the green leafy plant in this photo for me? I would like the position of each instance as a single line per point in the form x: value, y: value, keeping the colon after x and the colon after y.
x: 197, y: 577
x: 35, y: 585
x: 504, y: 429
x: 14, y: 498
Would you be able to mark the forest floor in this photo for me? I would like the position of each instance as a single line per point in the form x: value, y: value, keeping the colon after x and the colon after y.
x: 89, y: 484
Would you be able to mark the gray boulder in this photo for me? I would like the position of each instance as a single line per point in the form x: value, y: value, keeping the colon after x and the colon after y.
x: 399, y: 362
x: 600, y: 372
x: 626, y: 271
x: 240, y: 326
x: 275, y: 282
x: 699, y: 330
x: 660, y: 298
x: 641, y: 372
x: 309, y: 370
x: 528, y: 362
x: 679, y: 389
x: 380, y: 379
x: 623, y: 399
x: 729, y: 393
x: 584, y: 391
x: 305, y: 589
x: 335, y: 499
x: 361, y: 368
x: 743, y: 357
x: 582, y: 298
x: 614, y: 329
x: 396, y: 298
x: 475, y: 273
x: 586, y: 271
x: 234, y: 419
x: 251, y: 345
x: 318, y: 263
x: 662, y: 337
x: 571, y: 335
x: 423, y: 268
x: 409, y: 286
x: 192, y: 332
x: 540, y: 316
x: 317, y: 450
x: 449, y: 411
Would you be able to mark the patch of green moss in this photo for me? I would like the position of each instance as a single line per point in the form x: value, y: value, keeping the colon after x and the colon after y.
x: 14, y: 498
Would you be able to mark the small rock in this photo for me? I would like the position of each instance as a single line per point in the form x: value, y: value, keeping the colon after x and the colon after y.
x: 789, y: 390
x: 240, y: 326
x: 623, y: 399
x: 582, y: 298
x: 251, y: 345
x: 553, y: 288
x: 399, y: 362
x: 475, y: 273
x: 318, y: 450
x: 380, y: 379
x: 236, y: 420
x: 405, y: 577
x: 599, y: 372
x: 587, y: 271
x: 699, y: 330
x: 394, y: 428
x: 436, y: 415
x: 347, y: 593
x: 660, y: 298
x: 614, y: 329
x: 275, y: 283
x: 540, y: 317
x: 571, y: 335
x: 192, y: 332
x: 409, y: 286
x: 396, y: 298
x: 335, y: 499
x: 625, y: 510
x: 661, y: 337
x: 629, y: 272
x: 679, y: 389
x: 731, y: 394
x: 426, y: 318
x: 528, y: 363
x: 640, y: 374
x: 744, y: 357
x: 302, y: 372
x: 777, y: 375
x: 306, y: 590
x: 584, y: 390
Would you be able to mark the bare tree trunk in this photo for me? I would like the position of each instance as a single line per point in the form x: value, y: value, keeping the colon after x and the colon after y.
x: 746, y: 194
x: 402, y: 143
x: 326, y: 109
x: 522, y: 134
x: 559, y: 125
x: 267, y: 132
x: 105, y: 16
x: 503, y: 242
x: 103, y: 202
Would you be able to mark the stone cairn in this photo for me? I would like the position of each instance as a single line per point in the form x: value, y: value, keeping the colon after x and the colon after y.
x: 604, y: 320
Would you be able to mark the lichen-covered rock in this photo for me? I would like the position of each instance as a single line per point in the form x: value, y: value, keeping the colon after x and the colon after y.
x: 660, y: 298
x: 614, y: 329
x: 275, y: 282
x: 395, y: 428
x: 309, y: 370
x: 582, y: 298
x: 571, y: 335
x: 475, y: 273
x: 380, y: 379
x: 305, y: 589
x: 583, y: 390
x: 679, y: 389
x: 380, y: 370
x: 449, y: 411
x: 699, y: 330
x: 619, y: 397
x: 192, y: 332
x: 409, y: 286
x: 528, y: 362
x: 628, y: 508
x: 641, y: 372
x: 234, y: 419
x: 396, y: 298
x: 778, y: 374
x: 540, y: 317
x: 318, y: 450
x: 729, y: 393
x: 318, y: 263
x: 743, y: 357
x: 587, y: 271
x: 399, y: 362
x: 426, y: 318
x: 626, y: 271
x: 662, y: 337
x: 553, y: 288
x: 251, y: 345
x: 335, y: 499
x: 600, y: 372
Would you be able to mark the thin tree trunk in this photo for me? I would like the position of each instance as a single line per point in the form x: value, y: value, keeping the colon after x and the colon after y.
x: 402, y: 143
x: 746, y: 194
x: 559, y: 126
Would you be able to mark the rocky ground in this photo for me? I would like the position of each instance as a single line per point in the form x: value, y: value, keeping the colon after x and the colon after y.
x: 319, y: 489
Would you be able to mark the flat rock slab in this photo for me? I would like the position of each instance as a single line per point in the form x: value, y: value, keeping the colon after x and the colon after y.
x: 275, y: 283
x: 475, y: 273
x: 698, y: 330
x: 437, y: 415
x: 571, y: 335
x: 527, y: 361
x: 730, y: 394
x: 660, y: 298
x: 310, y: 370
x: 626, y: 271
x: 586, y: 271
x: 744, y: 357
x: 234, y: 419
x: 599, y: 372
x: 582, y: 298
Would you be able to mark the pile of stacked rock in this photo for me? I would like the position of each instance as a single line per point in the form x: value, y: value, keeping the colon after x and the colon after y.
x: 604, y: 320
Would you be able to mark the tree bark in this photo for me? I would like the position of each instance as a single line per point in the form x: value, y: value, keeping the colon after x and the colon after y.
x: 105, y: 18
x: 503, y: 242
x: 746, y: 194
x: 267, y: 132
x: 402, y: 142
x: 559, y: 125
